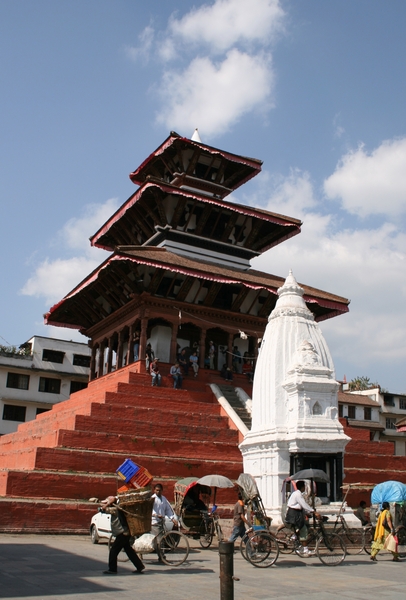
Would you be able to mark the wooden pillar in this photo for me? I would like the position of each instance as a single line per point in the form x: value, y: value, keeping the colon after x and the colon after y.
x: 174, y: 342
x: 92, y: 371
x: 101, y: 360
x: 202, y: 347
x: 230, y: 348
x: 109, y: 355
x: 120, y: 342
x: 143, y: 338
x: 130, y: 347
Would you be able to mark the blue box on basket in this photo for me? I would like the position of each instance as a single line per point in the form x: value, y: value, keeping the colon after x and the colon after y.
x: 127, y: 470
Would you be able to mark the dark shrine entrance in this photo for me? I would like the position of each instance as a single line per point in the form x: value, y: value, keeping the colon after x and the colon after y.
x: 332, y: 464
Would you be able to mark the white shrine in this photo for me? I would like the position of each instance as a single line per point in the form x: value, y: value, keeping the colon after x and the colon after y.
x: 295, y: 421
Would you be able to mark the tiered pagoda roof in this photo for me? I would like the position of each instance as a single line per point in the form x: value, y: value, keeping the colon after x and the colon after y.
x: 177, y: 238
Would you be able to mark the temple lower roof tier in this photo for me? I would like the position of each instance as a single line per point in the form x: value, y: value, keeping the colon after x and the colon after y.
x: 133, y: 273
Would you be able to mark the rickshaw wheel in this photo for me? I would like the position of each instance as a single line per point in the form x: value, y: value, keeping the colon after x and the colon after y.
x: 206, y: 533
x: 262, y: 550
x: 173, y: 548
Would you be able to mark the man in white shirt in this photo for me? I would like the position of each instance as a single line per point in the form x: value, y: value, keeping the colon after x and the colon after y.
x: 160, y: 510
x: 295, y: 515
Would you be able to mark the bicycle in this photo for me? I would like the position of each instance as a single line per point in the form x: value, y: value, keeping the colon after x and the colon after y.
x: 328, y: 547
x: 353, y: 538
x: 259, y: 547
x: 210, y: 527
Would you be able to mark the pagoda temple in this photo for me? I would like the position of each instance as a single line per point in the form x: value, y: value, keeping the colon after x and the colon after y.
x: 178, y: 273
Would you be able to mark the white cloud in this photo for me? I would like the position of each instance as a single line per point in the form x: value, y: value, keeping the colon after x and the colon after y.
x: 53, y: 279
x: 214, y: 96
x: 369, y: 184
x: 146, y: 39
x: 226, y: 23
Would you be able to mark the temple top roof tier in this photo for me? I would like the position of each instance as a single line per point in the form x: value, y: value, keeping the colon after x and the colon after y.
x: 191, y: 165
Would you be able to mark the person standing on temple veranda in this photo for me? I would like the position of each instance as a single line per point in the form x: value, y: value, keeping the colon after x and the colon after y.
x: 384, y: 528
x: 237, y: 360
x: 136, y: 342
x: 149, y: 356
x: 212, y: 352
x: 119, y: 528
x: 194, y: 363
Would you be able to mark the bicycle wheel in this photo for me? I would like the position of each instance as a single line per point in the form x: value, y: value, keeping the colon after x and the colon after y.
x: 354, y: 540
x: 330, y: 549
x: 262, y: 550
x: 173, y: 548
x: 284, y: 539
x: 401, y: 533
x: 368, y: 539
x: 206, y: 533
x: 122, y: 556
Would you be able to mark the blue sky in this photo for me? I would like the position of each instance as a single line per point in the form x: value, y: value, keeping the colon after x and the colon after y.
x: 316, y: 89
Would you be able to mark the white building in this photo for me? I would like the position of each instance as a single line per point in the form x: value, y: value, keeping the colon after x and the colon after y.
x: 392, y: 408
x: 43, y: 372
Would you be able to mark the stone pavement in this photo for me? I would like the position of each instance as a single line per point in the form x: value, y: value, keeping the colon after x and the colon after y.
x: 50, y: 567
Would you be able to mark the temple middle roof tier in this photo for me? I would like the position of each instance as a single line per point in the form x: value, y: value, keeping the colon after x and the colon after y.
x: 133, y: 273
x: 163, y: 215
x: 189, y: 164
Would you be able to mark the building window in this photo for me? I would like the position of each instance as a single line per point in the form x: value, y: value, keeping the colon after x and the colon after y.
x: 390, y: 423
x: 340, y: 410
x: 81, y: 360
x: 20, y: 382
x: 76, y: 386
x: 389, y: 400
x: 14, y: 413
x: 53, y: 356
x: 50, y: 386
x: 402, y: 403
x: 367, y: 413
x: 42, y: 410
x: 351, y: 412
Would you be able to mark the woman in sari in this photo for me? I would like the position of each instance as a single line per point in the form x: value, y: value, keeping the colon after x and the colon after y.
x: 384, y: 527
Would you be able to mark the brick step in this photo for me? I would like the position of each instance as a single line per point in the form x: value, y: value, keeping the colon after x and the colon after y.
x: 138, y: 413
x: 374, y: 448
x: 82, y: 486
x: 93, y: 433
x: 368, y: 461
x: 19, y: 515
x: 159, y: 400
x: 127, y: 416
x: 200, y: 395
x: 186, y: 429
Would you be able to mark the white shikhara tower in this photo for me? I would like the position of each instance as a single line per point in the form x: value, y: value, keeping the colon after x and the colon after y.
x: 294, y: 402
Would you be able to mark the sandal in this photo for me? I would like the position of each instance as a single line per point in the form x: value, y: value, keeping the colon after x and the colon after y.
x: 373, y: 558
x: 395, y: 559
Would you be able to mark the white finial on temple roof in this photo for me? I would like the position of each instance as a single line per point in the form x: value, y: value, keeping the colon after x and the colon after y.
x: 196, y: 137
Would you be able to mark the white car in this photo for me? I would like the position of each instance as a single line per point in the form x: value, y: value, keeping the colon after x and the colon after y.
x: 100, y: 527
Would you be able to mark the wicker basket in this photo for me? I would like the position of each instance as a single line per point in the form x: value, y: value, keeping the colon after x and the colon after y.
x: 137, y: 507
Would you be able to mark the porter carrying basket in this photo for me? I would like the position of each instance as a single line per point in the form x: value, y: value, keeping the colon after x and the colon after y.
x: 137, y: 507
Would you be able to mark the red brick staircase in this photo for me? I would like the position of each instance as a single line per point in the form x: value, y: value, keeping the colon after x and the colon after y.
x: 50, y: 467
x: 369, y: 462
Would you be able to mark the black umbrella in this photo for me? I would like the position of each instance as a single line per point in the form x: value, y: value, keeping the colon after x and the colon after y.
x: 315, y: 474
x: 312, y: 474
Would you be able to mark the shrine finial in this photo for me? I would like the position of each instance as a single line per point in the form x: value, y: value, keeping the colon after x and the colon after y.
x: 196, y: 137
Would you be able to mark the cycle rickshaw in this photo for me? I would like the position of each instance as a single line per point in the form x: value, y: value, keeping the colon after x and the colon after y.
x: 259, y: 546
x: 192, y: 501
